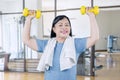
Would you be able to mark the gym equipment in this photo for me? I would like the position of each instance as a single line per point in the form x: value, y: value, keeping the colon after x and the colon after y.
x: 95, y: 10
x: 98, y: 67
x: 111, y: 40
x: 26, y: 13
x: 109, y: 61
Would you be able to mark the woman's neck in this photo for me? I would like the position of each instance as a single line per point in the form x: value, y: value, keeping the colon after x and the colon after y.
x: 60, y: 39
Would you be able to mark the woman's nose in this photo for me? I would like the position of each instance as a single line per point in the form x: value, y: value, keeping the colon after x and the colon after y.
x: 64, y: 28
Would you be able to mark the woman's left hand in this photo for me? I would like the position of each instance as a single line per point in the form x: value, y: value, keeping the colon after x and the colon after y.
x: 88, y: 12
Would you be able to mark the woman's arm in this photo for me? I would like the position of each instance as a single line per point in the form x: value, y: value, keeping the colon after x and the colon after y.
x: 27, y: 40
x: 94, y: 30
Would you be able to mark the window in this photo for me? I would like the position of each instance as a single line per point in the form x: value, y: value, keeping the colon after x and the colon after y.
x: 0, y: 32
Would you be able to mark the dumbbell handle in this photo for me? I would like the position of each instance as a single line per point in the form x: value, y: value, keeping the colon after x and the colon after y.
x: 91, y: 10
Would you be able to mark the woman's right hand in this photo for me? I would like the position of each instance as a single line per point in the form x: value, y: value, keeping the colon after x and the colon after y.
x: 31, y: 15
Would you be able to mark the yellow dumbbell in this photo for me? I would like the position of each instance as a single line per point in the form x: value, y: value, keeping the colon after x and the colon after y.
x: 26, y: 13
x: 95, y: 10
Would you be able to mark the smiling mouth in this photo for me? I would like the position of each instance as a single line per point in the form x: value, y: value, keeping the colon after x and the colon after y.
x: 64, y: 32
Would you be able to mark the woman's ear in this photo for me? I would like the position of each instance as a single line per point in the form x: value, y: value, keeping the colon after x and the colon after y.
x: 54, y: 30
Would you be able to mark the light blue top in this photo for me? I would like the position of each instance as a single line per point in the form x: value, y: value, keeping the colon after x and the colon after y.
x: 54, y: 72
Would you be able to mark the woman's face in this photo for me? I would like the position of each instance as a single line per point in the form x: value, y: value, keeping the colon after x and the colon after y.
x: 62, y: 28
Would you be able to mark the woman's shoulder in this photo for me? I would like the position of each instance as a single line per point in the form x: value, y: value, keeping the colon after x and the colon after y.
x: 80, y: 39
x: 42, y: 41
x: 80, y: 44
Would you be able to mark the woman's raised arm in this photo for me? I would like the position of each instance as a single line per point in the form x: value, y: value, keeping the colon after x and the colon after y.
x: 27, y: 40
x: 94, y: 30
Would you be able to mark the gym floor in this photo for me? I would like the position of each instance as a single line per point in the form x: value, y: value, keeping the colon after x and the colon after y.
x: 110, y: 70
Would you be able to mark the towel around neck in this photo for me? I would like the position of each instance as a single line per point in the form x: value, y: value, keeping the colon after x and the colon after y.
x: 67, y: 57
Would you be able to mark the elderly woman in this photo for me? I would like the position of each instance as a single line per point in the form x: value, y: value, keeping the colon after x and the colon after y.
x: 61, y: 51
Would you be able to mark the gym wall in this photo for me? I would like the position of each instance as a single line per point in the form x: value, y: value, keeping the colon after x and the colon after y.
x: 11, y: 6
x: 41, y: 28
x: 109, y: 24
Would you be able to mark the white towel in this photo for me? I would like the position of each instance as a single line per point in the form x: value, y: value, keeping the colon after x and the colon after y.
x: 67, y: 57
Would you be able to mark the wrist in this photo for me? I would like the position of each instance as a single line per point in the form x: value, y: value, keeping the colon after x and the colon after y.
x: 91, y: 15
x: 28, y: 19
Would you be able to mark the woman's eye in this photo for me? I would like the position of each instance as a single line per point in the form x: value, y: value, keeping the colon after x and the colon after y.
x: 60, y: 25
x: 66, y: 25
